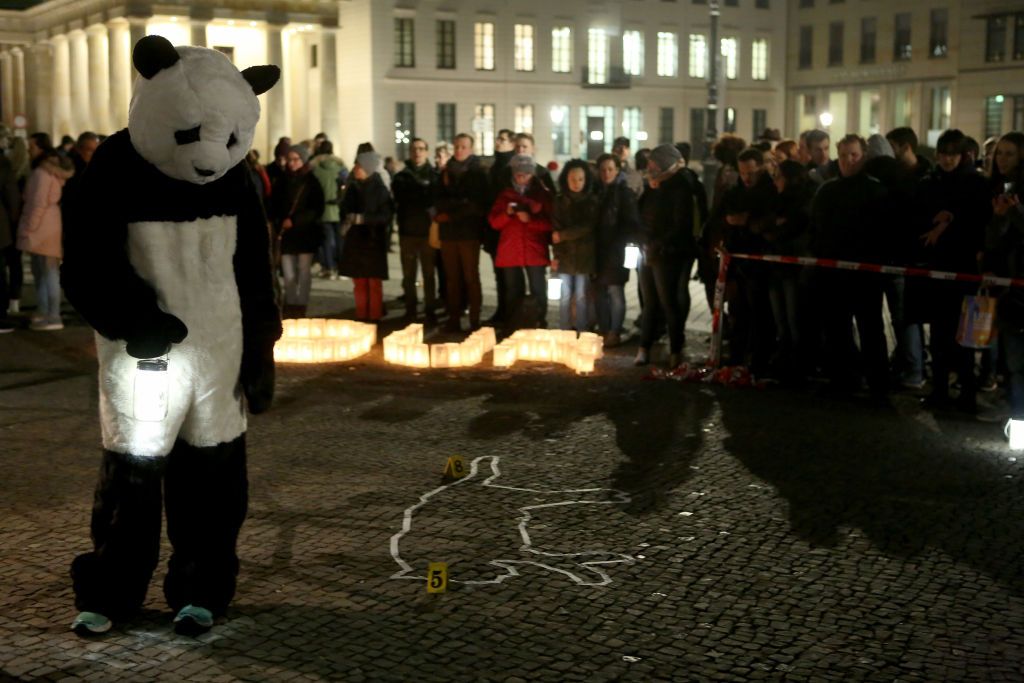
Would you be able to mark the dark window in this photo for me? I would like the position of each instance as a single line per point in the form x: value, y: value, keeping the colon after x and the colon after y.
x: 313, y: 56
x: 698, y: 132
x: 806, y: 3
x: 901, y: 49
x: 835, y: 43
x: 1018, y: 112
x: 666, y: 125
x: 761, y: 4
x: 760, y: 122
x: 806, y: 45
x: 445, y: 45
x: 868, y: 36
x: 404, y: 52
x: 729, y: 125
x: 938, y: 37
x: 445, y: 121
x: 995, y: 39
x: 1018, y: 38
x: 405, y: 127
x: 993, y: 115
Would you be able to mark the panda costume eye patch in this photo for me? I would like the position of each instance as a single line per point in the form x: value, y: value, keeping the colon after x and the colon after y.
x: 184, y: 137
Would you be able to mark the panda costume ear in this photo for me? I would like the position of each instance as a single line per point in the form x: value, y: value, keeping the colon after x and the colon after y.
x: 261, y: 78
x: 152, y: 55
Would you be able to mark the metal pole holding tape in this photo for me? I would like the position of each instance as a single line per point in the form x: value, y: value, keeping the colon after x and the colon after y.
x: 715, y: 356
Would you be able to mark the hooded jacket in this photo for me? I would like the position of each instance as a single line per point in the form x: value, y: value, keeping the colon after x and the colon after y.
x: 39, y: 230
x: 523, y: 244
x: 327, y: 168
x: 575, y: 219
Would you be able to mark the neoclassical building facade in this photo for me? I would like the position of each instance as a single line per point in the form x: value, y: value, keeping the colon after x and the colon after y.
x: 65, y: 65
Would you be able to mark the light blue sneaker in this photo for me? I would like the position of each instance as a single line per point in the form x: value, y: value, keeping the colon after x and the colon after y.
x: 193, y: 621
x: 90, y: 624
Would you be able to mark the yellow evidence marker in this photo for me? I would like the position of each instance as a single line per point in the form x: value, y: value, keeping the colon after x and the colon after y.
x: 455, y: 468
x: 437, y: 577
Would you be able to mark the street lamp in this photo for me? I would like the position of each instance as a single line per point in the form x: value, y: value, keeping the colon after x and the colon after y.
x: 825, y: 118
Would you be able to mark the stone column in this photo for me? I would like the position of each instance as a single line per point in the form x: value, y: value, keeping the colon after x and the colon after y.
x: 39, y: 72
x: 136, y: 32
x: 330, y: 121
x: 61, y: 87
x: 81, y: 118
x: 99, y: 79
x: 199, y: 32
x: 277, y: 125
x: 119, y: 60
x: 7, y: 89
x: 19, y: 81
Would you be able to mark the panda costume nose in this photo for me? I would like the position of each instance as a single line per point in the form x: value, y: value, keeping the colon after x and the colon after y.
x: 203, y: 172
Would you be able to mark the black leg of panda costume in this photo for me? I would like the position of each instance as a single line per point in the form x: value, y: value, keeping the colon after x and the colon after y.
x: 205, y: 494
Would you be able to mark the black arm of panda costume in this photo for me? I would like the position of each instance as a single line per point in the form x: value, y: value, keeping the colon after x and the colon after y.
x: 261, y: 319
x: 96, y: 275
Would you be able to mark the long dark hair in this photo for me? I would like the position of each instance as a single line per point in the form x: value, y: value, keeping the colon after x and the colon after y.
x: 44, y: 143
x: 588, y: 176
x: 1017, y: 176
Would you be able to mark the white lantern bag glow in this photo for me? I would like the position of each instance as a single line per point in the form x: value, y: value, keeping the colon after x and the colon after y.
x: 554, y: 289
x: 149, y: 401
x: 1015, y: 432
x: 632, y: 256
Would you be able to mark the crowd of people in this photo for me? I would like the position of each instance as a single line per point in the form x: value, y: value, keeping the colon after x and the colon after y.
x: 878, y: 201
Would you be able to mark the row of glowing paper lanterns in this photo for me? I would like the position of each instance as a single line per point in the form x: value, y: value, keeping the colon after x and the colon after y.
x: 323, y: 340
x: 406, y: 347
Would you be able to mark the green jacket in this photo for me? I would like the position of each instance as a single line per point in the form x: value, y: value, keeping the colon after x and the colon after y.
x: 327, y: 169
x: 575, y: 220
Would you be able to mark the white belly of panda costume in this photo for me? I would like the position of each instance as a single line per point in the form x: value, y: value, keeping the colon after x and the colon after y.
x: 189, y: 265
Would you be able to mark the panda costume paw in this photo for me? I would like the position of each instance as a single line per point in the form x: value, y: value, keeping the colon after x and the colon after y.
x: 168, y: 255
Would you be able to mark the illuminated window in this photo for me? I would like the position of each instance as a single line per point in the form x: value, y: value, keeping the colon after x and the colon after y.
x: 698, y: 56
x: 668, y: 54
x: 483, y: 46
x: 597, y: 56
x: 561, y: 50
x: 405, y: 53
x: 523, y: 118
x: 632, y: 126
x: 523, y: 59
x: 633, y: 53
x: 730, y: 61
x: 759, y: 60
x: 560, y: 129
x: 483, y: 128
x: 405, y: 127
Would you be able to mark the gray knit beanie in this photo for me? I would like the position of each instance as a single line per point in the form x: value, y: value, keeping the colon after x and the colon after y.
x: 369, y: 162
x: 878, y: 146
x: 302, y: 151
x: 665, y: 156
x: 522, y: 163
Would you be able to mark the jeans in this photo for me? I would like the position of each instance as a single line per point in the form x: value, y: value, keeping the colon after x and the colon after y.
x: 911, y: 343
x: 611, y: 308
x: 46, y: 271
x: 1013, y: 344
x: 462, y: 268
x: 659, y: 283
x: 331, y: 247
x: 298, y: 278
x: 783, y: 292
x: 515, y: 292
x: 413, y: 251
x: 573, y: 287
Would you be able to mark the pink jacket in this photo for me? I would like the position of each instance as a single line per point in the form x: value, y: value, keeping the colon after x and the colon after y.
x: 39, y: 230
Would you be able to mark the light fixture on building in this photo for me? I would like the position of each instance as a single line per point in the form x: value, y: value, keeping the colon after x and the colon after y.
x: 597, y: 135
x: 641, y: 136
x: 825, y: 118
x: 557, y: 115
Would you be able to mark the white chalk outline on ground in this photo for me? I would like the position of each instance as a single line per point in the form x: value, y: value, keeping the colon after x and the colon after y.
x: 616, y: 498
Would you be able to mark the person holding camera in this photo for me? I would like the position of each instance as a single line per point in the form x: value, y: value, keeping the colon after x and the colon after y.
x: 522, y: 214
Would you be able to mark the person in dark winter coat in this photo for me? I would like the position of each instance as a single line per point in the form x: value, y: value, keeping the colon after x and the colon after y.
x: 504, y: 150
x: 669, y: 247
x: 367, y: 210
x: 414, y: 188
x: 953, y: 208
x: 10, y: 211
x: 574, y: 237
x: 847, y: 216
x: 296, y: 204
x: 522, y: 216
x: 462, y: 205
x: 617, y: 225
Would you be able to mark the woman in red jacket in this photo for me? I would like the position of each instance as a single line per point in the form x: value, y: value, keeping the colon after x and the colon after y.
x: 522, y: 213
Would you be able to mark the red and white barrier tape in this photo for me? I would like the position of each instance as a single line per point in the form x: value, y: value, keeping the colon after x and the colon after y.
x: 724, y: 258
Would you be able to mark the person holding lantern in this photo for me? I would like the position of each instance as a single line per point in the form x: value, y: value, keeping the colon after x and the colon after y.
x: 574, y: 223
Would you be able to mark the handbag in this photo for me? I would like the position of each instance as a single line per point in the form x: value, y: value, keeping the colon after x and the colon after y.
x: 434, y: 236
x: 977, y: 321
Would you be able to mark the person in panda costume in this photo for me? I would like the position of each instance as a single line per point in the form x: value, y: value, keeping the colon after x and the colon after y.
x: 167, y: 257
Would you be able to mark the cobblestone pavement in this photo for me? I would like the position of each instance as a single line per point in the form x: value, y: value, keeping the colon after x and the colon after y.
x: 614, y: 529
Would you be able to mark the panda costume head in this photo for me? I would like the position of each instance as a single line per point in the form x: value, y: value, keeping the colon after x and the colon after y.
x: 193, y: 114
